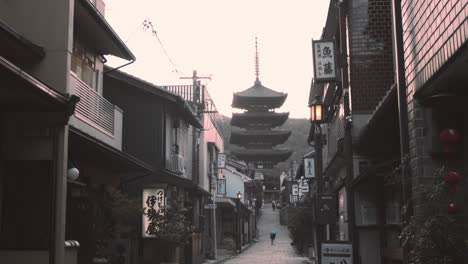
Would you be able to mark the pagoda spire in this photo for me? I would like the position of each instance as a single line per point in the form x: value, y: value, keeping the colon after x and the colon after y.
x: 257, y: 67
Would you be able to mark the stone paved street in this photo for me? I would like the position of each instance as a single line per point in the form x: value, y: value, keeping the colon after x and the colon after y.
x: 262, y: 251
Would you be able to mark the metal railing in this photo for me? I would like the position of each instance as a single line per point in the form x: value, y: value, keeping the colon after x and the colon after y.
x: 176, y: 163
x: 92, y: 107
x: 185, y: 91
x: 202, y: 99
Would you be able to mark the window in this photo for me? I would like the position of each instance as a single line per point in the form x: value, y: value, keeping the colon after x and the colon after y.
x: 83, y: 63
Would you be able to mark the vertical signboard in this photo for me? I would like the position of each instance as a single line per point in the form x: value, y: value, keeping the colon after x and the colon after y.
x: 327, y: 209
x: 309, y: 168
x: 222, y: 187
x: 153, y: 200
x: 337, y: 253
x: 305, y: 186
x: 324, y: 61
x: 221, y: 161
x: 295, y: 189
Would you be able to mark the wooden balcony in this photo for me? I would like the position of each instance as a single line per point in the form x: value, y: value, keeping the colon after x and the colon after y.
x: 95, y: 115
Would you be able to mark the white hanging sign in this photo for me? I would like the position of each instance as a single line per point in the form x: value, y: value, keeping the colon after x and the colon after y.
x: 295, y: 189
x: 337, y: 253
x: 309, y: 168
x: 324, y: 61
x: 153, y: 200
x: 221, y: 160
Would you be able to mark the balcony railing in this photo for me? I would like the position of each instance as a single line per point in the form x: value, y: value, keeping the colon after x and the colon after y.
x: 92, y: 107
x: 176, y: 163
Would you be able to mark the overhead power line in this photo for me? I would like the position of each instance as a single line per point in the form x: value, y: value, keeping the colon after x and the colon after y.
x: 147, y: 24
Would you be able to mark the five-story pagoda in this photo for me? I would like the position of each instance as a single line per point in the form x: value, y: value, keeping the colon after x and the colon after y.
x: 258, y: 136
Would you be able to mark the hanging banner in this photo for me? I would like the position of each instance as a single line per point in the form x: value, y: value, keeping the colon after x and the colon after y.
x: 221, y: 160
x: 221, y: 187
x: 153, y: 200
x: 309, y: 168
x: 324, y: 61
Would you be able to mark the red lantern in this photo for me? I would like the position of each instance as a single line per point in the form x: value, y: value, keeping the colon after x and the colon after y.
x: 453, y: 209
x: 450, y: 138
x: 452, y: 178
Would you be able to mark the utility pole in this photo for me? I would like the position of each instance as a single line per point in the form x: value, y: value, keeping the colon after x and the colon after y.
x: 198, y: 96
x: 399, y: 65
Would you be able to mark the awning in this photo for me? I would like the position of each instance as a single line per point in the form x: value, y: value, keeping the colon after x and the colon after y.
x: 20, y: 92
x: 16, y: 48
x: 163, y: 176
x: 87, y: 150
x: 380, y: 137
x: 98, y: 34
x: 225, y: 202
x: 450, y: 79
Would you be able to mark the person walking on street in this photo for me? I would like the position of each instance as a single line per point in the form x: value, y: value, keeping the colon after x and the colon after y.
x: 273, y: 205
x: 272, y: 237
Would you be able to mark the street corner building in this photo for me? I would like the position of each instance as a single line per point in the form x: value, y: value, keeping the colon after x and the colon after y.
x: 393, y: 128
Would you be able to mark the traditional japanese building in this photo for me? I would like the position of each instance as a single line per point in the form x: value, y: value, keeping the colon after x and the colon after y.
x: 258, y: 136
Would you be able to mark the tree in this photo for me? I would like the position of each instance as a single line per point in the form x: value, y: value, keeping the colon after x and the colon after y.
x: 170, y: 223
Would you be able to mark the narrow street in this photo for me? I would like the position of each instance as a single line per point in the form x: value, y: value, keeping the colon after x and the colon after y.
x: 262, y: 251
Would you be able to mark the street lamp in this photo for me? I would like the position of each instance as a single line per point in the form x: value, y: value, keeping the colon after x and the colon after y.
x: 239, y: 219
x: 316, y: 111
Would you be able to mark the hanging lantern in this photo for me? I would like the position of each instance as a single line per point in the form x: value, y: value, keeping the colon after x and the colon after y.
x: 452, y: 179
x: 453, y: 209
x: 450, y: 138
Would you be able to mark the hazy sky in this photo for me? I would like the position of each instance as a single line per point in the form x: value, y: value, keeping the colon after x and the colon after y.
x: 217, y: 38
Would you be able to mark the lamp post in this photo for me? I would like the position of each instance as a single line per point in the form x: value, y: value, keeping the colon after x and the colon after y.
x: 239, y: 219
x: 317, y: 118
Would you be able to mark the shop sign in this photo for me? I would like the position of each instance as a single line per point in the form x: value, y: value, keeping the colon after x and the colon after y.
x: 221, y: 187
x: 309, y: 168
x: 337, y: 253
x: 221, y: 160
x: 295, y: 189
x: 327, y: 209
x: 324, y: 61
x: 153, y: 200
x: 210, y: 206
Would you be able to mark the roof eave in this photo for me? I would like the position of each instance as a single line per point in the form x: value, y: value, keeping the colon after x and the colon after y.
x: 121, y: 50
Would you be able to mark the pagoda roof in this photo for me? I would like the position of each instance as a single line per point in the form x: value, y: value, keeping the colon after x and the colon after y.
x: 259, y: 119
x: 273, y: 136
x: 258, y: 96
x: 271, y: 155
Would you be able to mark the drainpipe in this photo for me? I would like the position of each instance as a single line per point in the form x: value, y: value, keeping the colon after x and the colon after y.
x: 348, y: 140
x: 397, y: 41
x: 121, y: 66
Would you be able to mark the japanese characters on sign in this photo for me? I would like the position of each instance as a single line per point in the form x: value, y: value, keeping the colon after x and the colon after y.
x: 309, y: 168
x: 337, y: 253
x: 153, y: 200
x: 221, y: 161
x: 324, y: 61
